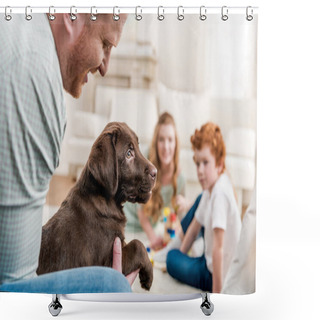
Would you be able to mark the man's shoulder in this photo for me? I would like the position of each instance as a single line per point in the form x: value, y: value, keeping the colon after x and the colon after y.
x: 22, y: 38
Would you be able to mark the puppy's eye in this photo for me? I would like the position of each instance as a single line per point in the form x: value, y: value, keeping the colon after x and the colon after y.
x: 129, y: 154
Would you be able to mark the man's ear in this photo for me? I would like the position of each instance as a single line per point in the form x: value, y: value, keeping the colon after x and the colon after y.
x: 73, y: 28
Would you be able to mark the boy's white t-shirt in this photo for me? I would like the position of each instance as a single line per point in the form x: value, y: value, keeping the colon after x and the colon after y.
x: 219, y: 210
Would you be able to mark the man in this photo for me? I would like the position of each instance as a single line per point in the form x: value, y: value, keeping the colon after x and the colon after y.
x: 39, y: 59
x: 84, y: 46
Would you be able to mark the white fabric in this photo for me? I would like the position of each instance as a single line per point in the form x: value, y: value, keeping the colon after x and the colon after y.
x: 185, y: 105
x: 103, y: 100
x: 242, y: 171
x: 241, y: 142
x: 188, y: 166
x: 88, y: 125
x: 219, y: 210
x: 79, y: 150
x: 241, y: 275
x: 138, y: 108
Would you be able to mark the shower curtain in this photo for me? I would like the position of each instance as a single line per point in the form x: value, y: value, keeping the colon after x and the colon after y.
x: 198, y: 69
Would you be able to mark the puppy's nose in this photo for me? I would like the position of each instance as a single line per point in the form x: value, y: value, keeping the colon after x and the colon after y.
x: 153, y: 172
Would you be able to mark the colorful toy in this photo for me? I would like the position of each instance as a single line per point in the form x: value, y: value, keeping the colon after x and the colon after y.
x: 150, y: 254
x: 171, y: 225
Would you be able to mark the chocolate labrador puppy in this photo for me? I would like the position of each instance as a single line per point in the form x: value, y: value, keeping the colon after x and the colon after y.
x: 83, y: 230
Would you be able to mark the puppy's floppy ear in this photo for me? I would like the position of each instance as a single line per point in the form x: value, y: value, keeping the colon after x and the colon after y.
x: 103, y: 163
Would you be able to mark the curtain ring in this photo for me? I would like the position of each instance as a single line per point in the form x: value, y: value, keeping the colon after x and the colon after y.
x: 73, y: 17
x: 249, y: 16
x: 93, y: 16
x: 116, y: 17
x: 160, y: 16
x: 203, y: 13
x: 7, y: 16
x: 28, y: 15
x: 180, y: 15
x: 51, y: 16
x: 224, y: 13
x: 138, y: 16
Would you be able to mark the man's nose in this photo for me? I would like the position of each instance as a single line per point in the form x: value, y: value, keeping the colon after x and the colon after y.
x: 104, y: 65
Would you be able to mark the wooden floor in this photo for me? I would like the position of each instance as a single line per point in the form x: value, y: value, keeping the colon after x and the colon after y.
x: 59, y: 189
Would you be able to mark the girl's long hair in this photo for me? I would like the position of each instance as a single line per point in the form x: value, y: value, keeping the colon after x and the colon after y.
x: 153, y: 207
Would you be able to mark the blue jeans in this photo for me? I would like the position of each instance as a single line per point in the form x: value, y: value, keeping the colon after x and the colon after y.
x: 192, y: 271
x: 185, y: 223
x: 79, y: 280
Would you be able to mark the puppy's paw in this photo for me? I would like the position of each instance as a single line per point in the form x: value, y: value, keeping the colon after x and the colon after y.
x: 146, y: 279
x: 146, y: 275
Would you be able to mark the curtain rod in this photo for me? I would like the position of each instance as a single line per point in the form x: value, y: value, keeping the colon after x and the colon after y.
x: 134, y: 10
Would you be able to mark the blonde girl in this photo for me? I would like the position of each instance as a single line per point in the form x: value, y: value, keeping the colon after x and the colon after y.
x: 170, y: 186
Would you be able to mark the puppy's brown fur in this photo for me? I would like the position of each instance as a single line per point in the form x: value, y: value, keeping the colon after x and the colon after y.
x: 83, y: 231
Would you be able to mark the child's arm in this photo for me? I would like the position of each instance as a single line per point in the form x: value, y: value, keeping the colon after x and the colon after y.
x: 156, y: 242
x: 217, y: 254
x: 183, y: 204
x: 190, y: 236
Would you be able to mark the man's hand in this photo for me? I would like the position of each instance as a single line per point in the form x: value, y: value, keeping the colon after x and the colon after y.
x: 117, y: 261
